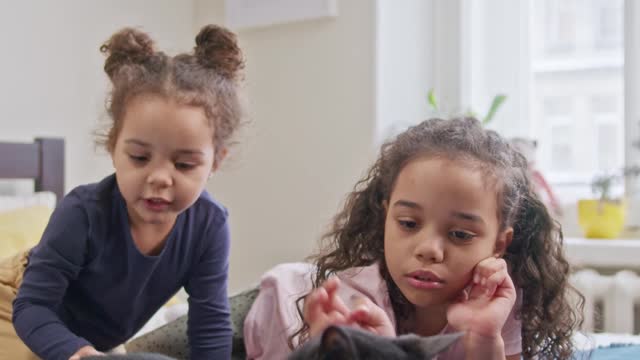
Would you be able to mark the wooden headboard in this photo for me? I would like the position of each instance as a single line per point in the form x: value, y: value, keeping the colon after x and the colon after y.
x: 41, y: 160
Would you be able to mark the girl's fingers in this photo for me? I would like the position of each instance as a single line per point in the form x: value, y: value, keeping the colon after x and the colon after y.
x: 338, y: 305
x: 371, y: 317
x: 323, y: 301
x: 359, y: 316
x: 490, y: 265
x: 488, y: 274
x: 476, y: 292
x: 318, y: 326
x: 494, y: 281
x: 486, y: 268
x: 314, y: 304
x: 505, y: 287
x: 331, y: 285
x: 463, y: 296
x: 366, y: 318
x: 336, y: 318
x: 323, y: 307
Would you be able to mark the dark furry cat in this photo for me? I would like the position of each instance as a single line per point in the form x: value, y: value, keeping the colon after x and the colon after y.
x: 342, y: 343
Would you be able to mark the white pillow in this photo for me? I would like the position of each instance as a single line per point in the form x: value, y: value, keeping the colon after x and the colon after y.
x: 11, y: 202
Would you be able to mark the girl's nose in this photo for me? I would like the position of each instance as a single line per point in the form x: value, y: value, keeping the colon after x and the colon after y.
x: 430, y: 249
x: 160, y: 176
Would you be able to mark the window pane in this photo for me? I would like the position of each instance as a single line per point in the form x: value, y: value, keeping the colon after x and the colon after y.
x: 604, y: 104
x: 608, y: 19
x: 561, y: 153
x: 557, y: 106
x: 577, y: 86
x: 560, y: 23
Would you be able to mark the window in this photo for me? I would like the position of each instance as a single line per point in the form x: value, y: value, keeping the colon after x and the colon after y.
x: 561, y: 64
x: 577, y: 83
x: 608, y: 29
x: 558, y: 20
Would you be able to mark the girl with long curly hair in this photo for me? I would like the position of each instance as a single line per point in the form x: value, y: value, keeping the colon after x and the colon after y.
x: 445, y: 233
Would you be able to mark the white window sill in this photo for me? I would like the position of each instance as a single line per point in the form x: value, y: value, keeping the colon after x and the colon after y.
x: 605, y: 253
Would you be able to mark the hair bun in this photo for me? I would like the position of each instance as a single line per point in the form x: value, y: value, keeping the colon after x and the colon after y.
x: 127, y: 46
x: 217, y: 48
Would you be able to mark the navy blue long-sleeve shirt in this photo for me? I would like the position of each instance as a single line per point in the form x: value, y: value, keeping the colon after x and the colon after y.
x: 86, y: 282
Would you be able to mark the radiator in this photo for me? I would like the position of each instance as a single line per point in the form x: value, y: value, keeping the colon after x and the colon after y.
x: 610, y: 300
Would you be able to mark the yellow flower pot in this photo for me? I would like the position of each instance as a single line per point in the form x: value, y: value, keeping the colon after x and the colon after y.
x: 601, y: 219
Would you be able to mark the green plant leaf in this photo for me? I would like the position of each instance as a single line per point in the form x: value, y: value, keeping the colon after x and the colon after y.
x: 601, y: 185
x: 431, y: 98
x: 495, y: 105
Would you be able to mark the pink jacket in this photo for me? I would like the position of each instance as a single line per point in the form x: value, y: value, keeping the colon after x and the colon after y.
x: 274, y: 317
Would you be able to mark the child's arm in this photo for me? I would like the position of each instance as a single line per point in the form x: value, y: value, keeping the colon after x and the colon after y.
x: 209, y: 324
x: 55, y: 262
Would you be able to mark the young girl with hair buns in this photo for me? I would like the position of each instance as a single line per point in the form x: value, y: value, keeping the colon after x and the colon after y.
x: 115, y: 251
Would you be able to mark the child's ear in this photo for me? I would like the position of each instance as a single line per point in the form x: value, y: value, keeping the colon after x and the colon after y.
x: 503, y: 241
x: 219, y: 156
x: 336, y: 344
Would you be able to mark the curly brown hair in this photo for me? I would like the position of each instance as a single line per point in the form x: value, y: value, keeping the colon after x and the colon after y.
x: 207, y: 78
x: 551, y: 308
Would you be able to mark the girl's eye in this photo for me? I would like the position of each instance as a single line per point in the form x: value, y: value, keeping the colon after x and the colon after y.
x: 461, y: 235
x: 408, y: 224
x: 138, y: 159
x: 184, y: 166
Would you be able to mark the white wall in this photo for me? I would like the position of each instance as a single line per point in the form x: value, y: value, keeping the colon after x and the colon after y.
x: 404, y: 62
x: 208, y: 12
x: 496, y: 59
x: 310, y: 91
x: 51, y: 69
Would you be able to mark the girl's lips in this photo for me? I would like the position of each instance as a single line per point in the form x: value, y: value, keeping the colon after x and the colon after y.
x: 155, y: 204
x: 424, y: 285
x: 425, y: 275
x: 425, y: 280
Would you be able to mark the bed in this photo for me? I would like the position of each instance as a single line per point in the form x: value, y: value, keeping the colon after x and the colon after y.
x: 41, y: 160
x: 23, y: 217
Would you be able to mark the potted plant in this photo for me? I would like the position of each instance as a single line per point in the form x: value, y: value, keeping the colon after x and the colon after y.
x: 604, y: 216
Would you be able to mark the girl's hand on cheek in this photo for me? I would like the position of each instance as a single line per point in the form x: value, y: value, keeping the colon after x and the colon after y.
x: 323, y: 307
x: 483, y: 310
